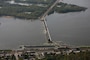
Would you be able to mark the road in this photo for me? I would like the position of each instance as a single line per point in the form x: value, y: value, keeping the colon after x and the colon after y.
x: 44, y: 15
x: 48, y: 36
x: 16, y: 55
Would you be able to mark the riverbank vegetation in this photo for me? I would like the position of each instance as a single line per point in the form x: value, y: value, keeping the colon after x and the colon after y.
x: 66, y: 8
x: 33, y: 9
x: 71, y: 56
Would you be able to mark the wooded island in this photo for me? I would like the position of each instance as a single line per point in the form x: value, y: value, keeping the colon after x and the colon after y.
x: 33, y: 9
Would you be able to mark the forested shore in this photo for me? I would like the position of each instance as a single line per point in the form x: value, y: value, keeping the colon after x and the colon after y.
x: 33, y: 9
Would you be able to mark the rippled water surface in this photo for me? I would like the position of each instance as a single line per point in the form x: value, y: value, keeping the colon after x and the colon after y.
x: 71, y: 28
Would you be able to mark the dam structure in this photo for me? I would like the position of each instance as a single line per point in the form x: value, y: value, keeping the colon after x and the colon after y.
x: 44, y: 21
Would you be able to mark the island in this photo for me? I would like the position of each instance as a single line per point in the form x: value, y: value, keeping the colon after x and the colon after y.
x: 34, y: 9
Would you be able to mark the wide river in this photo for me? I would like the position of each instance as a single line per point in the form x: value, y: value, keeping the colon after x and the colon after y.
x: 71, y: 28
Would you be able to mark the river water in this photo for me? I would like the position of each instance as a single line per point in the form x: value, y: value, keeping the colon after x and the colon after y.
x: 71, y: 28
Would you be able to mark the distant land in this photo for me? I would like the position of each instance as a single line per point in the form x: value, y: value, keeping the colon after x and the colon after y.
x: 33, y: 9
